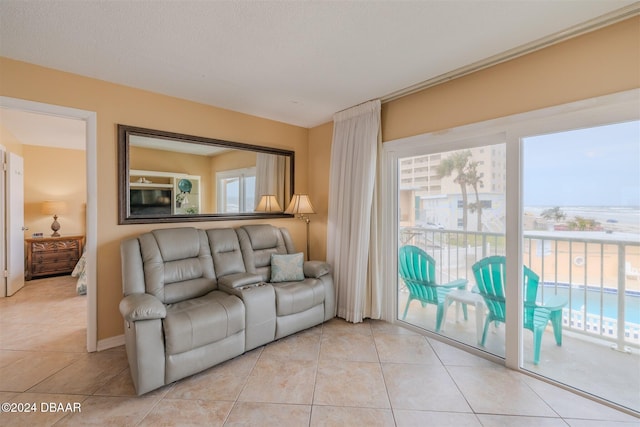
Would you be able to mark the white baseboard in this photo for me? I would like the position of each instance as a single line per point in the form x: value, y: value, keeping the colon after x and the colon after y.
x: 111, y: 342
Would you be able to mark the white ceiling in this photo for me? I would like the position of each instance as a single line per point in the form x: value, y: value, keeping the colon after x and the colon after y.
x: 297, y: 62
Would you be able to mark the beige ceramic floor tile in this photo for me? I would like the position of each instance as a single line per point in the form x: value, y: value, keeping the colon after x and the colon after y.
x: 405, y: 349
x: 301, y: 346
x: 280, y: 381
x: 494, y: 391
x: 177, y: 412
x: 120, y: 385
x: 268, y: 415
x: 209, y: 385
x: 598, y: 423
x: 33, y: 368
x: 571, y: 405
x: 519, y: 421
x: 327, y: 416
x: 7, y: 357
x: 422, y: 387
x: 344, y: 346
x: 405, y: 418
x: 110, y: 411
x: 340, y: 326
x: 452, y: 356
x: 86, y: 375
x: 382, y: 327
x: 344, y: 383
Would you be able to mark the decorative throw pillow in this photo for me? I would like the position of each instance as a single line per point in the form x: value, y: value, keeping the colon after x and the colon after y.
x: 287, y: 268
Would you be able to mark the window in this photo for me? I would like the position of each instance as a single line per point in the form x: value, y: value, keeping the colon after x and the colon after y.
x: 236, y: 190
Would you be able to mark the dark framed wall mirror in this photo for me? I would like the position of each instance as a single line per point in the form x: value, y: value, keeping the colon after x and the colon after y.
x: 172, y: 177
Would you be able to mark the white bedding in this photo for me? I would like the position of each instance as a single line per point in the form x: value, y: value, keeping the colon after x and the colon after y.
x: 80, y: 272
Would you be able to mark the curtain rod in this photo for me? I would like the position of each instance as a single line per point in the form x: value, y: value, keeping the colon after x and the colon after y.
x: 575, y: 31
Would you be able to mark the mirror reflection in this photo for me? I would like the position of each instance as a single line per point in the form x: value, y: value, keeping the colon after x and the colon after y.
x: 168, y: 177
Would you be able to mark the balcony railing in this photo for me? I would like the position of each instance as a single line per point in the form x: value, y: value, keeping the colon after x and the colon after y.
x: 596, y: 275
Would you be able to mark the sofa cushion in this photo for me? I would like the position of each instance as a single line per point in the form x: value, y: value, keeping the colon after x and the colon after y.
x: 295, y: 297
x: 177, y: 264
x: 287, y: 268
x: 257, y: 243
x: 200, y: 321
x: 225, y: 250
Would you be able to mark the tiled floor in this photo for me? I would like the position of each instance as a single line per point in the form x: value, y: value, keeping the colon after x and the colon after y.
x: 586, y: 364
x: 337, y: 374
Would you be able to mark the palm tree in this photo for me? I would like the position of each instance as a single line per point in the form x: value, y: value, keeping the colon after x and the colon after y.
x: 474, y: 179
x: 456, y: 163
x: 555, y: 214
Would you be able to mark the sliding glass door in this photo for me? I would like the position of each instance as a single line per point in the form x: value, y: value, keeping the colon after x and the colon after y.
x: 451, y: 215
x: 581, y: 237
x: 533, y: 223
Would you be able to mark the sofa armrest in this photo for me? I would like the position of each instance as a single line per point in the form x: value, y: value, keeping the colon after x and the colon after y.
x: 316, y: 269
x: 142, y: 307
x: 239, y: 280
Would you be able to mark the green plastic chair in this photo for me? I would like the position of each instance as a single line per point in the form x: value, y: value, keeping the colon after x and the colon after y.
x: 490, y: 280
x: 418, y: 271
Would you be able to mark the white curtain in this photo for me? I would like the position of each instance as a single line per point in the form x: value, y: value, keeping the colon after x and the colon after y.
x: 352, y: 235
x: 270, y: 177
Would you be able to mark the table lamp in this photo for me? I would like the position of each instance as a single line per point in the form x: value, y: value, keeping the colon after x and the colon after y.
x: 52, y: 207
x: 299, y: 206
x: 268, y: 203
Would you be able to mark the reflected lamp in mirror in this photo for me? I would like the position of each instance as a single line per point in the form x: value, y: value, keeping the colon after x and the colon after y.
x: 53, y: 207
x: 299, y: 206
x: 268, y: 203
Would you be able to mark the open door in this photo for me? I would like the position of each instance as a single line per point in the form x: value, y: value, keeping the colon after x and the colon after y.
x: 15, y: 223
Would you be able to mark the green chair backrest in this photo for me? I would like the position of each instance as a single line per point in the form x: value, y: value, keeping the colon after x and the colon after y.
x: 418, y: 271
x: 490, y: 278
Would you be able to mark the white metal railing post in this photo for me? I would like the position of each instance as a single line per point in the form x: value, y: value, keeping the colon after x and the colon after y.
x: 619, y: 345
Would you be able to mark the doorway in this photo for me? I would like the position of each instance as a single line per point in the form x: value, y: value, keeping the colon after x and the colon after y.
x: 90, y: 120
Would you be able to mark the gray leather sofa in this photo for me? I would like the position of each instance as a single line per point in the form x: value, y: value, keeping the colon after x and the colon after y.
x: 195, y: 298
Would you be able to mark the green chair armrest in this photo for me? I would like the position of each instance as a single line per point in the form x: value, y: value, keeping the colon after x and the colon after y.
x: 458, y: 283
x: 554, y: 303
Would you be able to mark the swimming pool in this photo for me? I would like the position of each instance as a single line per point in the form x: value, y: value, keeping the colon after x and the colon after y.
x: 592, y: 301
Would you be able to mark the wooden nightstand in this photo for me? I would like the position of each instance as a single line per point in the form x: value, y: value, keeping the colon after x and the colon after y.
x: 52, y: 255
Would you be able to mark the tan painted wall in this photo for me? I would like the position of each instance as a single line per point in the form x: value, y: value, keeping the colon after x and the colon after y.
x: 119, y: 104
x: 595, y: 64
x: 9, y: 141
x: 319, y: 162
x: 54, y: 174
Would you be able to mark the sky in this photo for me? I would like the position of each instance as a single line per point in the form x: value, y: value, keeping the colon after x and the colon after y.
x: 587, y: 167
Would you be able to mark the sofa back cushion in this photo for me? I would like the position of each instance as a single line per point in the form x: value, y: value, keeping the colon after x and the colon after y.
x: 177, y: 264
x: 225, y: 250
x: 257, y: 243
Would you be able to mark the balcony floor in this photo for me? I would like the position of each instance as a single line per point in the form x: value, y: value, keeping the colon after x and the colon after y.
x: 581, y: 362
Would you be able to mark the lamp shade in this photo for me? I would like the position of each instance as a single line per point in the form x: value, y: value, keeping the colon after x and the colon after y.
x: 300, y: 204
x: 53, y: 207
x: 268, y: 203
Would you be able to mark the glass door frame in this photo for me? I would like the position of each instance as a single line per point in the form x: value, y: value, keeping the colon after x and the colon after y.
x: 613, y: 108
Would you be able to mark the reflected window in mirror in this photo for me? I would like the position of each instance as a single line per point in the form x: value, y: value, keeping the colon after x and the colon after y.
x: 168, y: 177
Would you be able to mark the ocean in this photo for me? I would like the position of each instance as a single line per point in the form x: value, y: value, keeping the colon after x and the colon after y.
x: 619, y: 218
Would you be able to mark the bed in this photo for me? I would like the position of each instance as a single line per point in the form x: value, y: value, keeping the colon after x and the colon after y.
x: 80, y: 272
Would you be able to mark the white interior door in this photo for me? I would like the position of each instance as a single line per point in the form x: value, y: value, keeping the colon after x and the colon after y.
x: 15, y: 223
x: 3, y: 240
